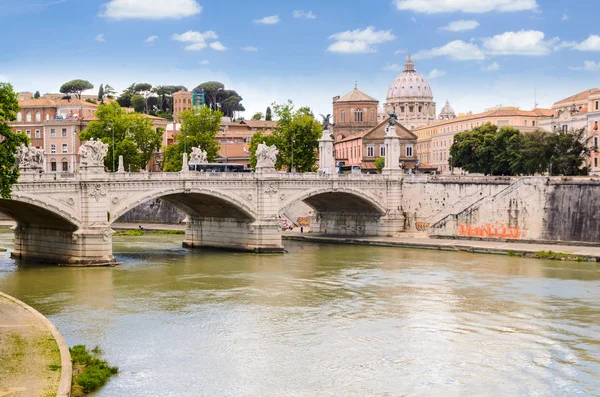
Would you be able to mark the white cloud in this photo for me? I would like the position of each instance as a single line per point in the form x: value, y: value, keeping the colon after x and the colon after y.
x: 358, y: 41
x: 468, y: 6
x: 270, y: 20
x: 204, y: 62
x: 457, y: 50
x: 302, y: 14
x: 461, y: 25
x: 217, y: 46
x: 588, y: 66
x: 592, y: 43
x: 150, y: 9
x: 413, y: 19
x: 100, y: 38
x: 564, y: 17
x: 151, y: 39
x: 491, y: 67
x: 436, y: 73
x: 393, y: 67
x: 524, y: 42
x: 198, y: 41
x: 250, y: 49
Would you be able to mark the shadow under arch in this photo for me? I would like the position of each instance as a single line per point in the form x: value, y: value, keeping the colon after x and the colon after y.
x: 27, y: 214
x: 338, y: 201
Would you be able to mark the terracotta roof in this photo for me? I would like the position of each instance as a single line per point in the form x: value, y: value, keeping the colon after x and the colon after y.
x: 234, y: 150
x: 356, y: 96
x: 50, y: 103
x: 496, y: 113
x: 582, y: 96
x: 260, y: 124
x: 401, y: 131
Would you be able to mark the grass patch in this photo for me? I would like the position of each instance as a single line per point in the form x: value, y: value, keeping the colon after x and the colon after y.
x: 129, y: 233
x: 556, y: 256
x: 167, y: 232
x: 90, y: 371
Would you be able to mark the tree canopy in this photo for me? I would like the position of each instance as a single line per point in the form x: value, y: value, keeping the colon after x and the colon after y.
x: 199, y: 128
x: 218, y: 98
x: 268, y: 114
x: 101, y: 93
x: 134, y: 137
x: 36, y: 95
x: 257, y: 116
x: 9, y: 141
x: 507, y: 151
x: 76, y: 87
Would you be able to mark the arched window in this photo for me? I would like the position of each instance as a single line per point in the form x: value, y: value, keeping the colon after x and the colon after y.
x: 358, y: 116
x: 420, y: 109
x: 401, y: 109
x: 411, y: 109
x: 19, y: 116
x: 38, y: 116
x: 343, y: 116
x: 28, y: 116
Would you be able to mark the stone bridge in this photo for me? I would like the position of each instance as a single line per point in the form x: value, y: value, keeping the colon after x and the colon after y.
x: 66, y: 218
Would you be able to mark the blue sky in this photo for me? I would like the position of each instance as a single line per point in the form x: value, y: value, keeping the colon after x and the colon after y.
x: 476, y: 53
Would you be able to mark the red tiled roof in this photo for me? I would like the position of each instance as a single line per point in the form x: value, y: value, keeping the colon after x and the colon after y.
x: 582, y: 96
x: 260, y: 124
x: 51, y: 103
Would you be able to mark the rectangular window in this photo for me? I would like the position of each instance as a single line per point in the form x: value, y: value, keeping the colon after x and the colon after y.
x: 502, y: 123
x: 52, y: 133
x: 53, y: 148
x: 28, y: 132
x: 565, y: 128
x: 409, y: 151
x: 65, y: 148
x: 64, y: 132
x: 37, y: 133
x: 533, y: 123
x: 525, y: 123
x: 595, y: 143
x: 596, y: 162
x: 597, y: 105
x: 65, y: 167
x: 53, y: 165
x: 382, y: 150
x: 19, y: 131
x: 371, y: 151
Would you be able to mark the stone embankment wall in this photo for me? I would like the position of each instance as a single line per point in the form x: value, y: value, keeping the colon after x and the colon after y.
x: 525, y: 209
x: 154, y: 211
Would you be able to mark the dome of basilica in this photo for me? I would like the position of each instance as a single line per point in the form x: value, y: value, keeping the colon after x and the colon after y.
x: 447, y: 112
x: 409, y: 84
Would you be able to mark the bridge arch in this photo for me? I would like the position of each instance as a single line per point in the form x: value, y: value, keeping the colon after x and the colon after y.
x: 27, y: 211
x: 196, y: 202
x: 337, y: 200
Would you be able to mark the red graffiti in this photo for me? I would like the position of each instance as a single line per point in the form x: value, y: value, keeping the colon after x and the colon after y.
x: 491, y: 230
x: 303, y: 221
x: 422, y: 226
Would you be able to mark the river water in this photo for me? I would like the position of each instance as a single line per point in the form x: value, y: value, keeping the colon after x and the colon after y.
x: 325, y: 320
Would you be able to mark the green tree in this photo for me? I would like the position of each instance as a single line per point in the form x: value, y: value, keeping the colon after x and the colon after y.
x: 101, y: 94
x: 257, y: 116
x: 211, y: 91
x: 76, y: 87
x: 109, y: 92
x: 145, y: 90
x: 258, y: 138
x: 199, y: 128
x: 218, y: 98
x: 138, y: 103
x: 125, y: 98
x: 268, y: 115
x: 165, y: 96
x: 134, y: 137
x: 297, y: 135
x: 380, y: 163
x: 36, y: 95
x: 9, y: 141
x: 569, y: 153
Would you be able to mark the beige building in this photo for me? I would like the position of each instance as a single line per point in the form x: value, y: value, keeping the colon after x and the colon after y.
x: 353, y: 114
x: 570, y: 113
x: 435, y: 140
x: 182, y: 100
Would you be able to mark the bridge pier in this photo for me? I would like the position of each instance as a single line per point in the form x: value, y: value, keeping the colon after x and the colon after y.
x: 234, y: 234
x: 62, y: 246
x: 357, y: 224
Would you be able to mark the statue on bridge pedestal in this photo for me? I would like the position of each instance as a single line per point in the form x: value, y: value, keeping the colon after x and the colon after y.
x: 266, y: 156
x: 92, y: 153
x: 31, y: 158
x: 198, y: 156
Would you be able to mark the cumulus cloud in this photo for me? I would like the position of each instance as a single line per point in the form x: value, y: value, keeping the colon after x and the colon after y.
x: 150, y: 9
x: 359, y: 41
x: 491, y: 67
x: 303, y: 14
x: 199, y: 41
x: 270, y: 20
x: 588, y: 66
x: 592, y: 43
x: 151, y: 39
x: 393, y: 67
x: 436, y: 73
x: 250, y: 49
x: 461, y: 25
x: 100, y: 38
x: 468, y: 6
x: 456, y: 50
x: 524, y: 42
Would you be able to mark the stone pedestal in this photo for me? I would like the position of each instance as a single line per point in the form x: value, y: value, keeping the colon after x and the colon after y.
x: 185, y: 168
x: 326, y: 158
x: 121, y: 165
x: 392, y: 152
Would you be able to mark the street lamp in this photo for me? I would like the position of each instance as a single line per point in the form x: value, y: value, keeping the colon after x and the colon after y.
x: 292, y: 169
x: 113, y: 147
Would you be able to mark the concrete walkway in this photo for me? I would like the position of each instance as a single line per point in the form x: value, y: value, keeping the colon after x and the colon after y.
x: 422, y: 241
x: 34, y: 358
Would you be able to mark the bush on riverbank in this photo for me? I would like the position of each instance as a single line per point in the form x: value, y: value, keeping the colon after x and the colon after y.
x: 137, y: 232
x: 90, y: 372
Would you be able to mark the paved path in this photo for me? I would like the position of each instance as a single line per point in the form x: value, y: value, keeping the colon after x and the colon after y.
x: 30, y: 353
x: 422, y: 241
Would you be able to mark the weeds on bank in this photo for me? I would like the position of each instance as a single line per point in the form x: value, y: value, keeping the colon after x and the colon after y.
x: 90, y: 371
x: 137, y: 232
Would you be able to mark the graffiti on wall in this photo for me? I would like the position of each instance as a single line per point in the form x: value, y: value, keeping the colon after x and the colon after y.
x: 491, y: 230
x: 303, y: 221
x: 422, y: 226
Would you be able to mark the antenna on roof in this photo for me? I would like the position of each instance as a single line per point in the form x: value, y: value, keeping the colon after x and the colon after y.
x: 535, y: 103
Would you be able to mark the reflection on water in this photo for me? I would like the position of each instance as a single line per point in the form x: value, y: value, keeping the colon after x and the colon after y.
x: 325, y: 320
